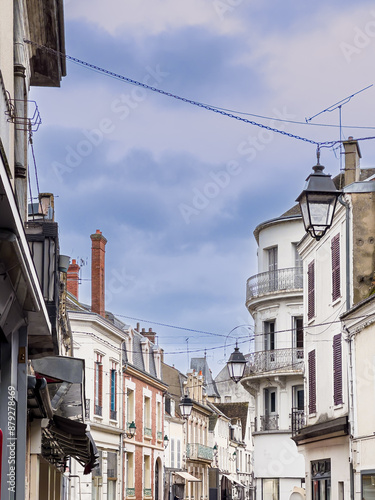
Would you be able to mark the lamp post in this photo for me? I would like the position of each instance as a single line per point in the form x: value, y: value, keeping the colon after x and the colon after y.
x: 318, y: 201
x: 236, y: 365
x: 186, y: 405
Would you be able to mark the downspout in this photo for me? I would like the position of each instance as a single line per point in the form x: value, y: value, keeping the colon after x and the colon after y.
x: 20, y: 111
x: 349, y: 339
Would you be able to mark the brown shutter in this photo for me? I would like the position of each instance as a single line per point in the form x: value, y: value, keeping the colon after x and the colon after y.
x: 101, y: 385
x: 311, y: 290
x: 335, y: 252
x: 312, y: 381
x: 337, y: 370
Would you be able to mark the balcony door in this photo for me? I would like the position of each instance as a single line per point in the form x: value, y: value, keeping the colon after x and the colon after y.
x: 269, y: 343
x: 270, y: 411
x: 272, y: 268
x: 297, y: 341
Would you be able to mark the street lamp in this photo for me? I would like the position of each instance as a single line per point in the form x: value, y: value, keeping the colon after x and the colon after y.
x: 236, y: 365
x: 166, y: 441
x: 186, y: 405
x: 130, y: 433
x: 318, y: 201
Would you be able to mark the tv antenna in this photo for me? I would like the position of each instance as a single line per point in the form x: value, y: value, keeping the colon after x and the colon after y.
x: 338, y: 105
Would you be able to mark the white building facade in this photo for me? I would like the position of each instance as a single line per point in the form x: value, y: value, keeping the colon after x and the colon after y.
x: 274, y: 372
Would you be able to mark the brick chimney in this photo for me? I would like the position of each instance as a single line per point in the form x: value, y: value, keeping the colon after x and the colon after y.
x: 97, y: 273
x: 150, y: 335
x: 73, y: 278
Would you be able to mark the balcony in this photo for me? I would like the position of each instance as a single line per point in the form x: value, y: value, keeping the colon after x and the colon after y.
x: 269, y: 423
x: 113, y: 414
x: 298, y: 420
x: 285, y: 360
x: 290, y: 278
x: 130, y: 492
x: 147, y: 431
x: 197, y: 451
x: 98, y: 411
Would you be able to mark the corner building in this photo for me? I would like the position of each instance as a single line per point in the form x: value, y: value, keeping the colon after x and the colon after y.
x: 274, y: 371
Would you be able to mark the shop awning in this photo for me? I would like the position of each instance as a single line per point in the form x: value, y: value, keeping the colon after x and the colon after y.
x: 187, y: 476
x: 57, y: 391
x: 233, y: 479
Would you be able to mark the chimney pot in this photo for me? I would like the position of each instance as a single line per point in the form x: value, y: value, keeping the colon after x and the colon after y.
x: 138, y: 326
x: 150, y: 330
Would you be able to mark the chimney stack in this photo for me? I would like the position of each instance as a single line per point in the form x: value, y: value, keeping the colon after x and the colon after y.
x: 97, y: 273
x: 352, y: 157
x: 73, y: 278
x: 150, y: 335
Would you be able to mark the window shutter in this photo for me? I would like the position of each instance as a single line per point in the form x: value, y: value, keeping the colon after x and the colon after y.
x: 100, y: 385
x: 312, y: 381
x: 335, y: 253
x: 311, y: 290
x: 337, y: 370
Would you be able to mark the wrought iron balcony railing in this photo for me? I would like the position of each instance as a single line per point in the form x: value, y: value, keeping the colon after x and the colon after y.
x: 130, y: 492
x: 87, y: 409
x: 297, y: 420
x: 290, y: 278
x: 98, y: 410
x: 147, y: 431
x: 276, y: 359
x: 113, y: 415
x: 147, y: 492
x: 269, y: 422
x: 196, y: 451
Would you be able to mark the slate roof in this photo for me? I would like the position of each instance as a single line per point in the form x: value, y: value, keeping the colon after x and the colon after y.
x: 200, y: 364
x: 236, y: 410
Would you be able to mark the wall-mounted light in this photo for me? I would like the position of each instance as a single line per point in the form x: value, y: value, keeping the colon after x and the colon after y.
x: 130, y: 433
x: 166, y: 441
x: 233, y: 457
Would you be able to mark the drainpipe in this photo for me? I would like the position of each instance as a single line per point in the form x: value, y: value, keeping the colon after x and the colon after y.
x: 20, y: 109
x: 79, y: 482
x: 349, y: 340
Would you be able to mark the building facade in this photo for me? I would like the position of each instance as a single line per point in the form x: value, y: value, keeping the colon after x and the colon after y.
x: 124, y: 395
x: 338, y: 274
x: 274, y: 371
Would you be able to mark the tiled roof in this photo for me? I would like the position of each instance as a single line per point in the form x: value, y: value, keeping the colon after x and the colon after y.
x: 235, y: 410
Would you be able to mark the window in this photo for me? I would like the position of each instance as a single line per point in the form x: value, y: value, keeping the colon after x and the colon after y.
x: 312, y: 381
x: 270, y: 417
x: 147, y: 476
x: 111, y: 475
x: 368, y: 485
x: 113, y: 385
x: 321, y: 479
x: 147, y: 416
x: 97, y: 478
x: 337, y: 370
x: 269, y: 335
x: 178, y: 454
x: 298, y: 336
x: 130, y: 491
x: 159, y: 420
x: 298, y: 397
x: 335, y: 253
x: 272, y: 268
x: 172, y: 450
x: 311, y: 290
x: 270, y: 489
x: 98, y: 392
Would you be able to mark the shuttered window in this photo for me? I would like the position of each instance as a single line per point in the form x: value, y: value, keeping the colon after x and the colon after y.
x: 337, y: 370
x: 335, y: 252
x: 312, y: 381
x: 311, y: 290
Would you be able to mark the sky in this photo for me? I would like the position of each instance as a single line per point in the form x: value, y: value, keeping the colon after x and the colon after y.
x: 177, y: 189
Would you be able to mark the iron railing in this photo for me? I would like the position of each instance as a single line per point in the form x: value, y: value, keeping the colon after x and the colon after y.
x: 290, y: 278
x: 113, y: 414
x: 98, y: 410
x: 196, y: 451
x: 269, y: 422
x: 130, y: 492
x: 147, y: 431
x: 277, y: 359
x: 297, y: 420
x: 147, y: 492
x: 87, y: 409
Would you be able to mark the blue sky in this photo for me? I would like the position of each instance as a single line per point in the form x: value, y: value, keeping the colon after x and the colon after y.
x: 178, y: 190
